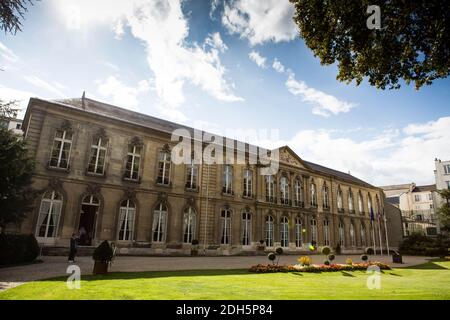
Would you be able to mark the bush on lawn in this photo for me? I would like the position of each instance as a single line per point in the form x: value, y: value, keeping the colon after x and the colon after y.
x: 272, y: 256
x: 326, y: 262
x: 331, y: 257
x: 421, y: 245
x: 103, y: 253
x: 326, y: 250
x: 18, y: 248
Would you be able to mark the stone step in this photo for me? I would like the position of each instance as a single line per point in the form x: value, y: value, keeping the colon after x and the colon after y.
x: 64, y: 251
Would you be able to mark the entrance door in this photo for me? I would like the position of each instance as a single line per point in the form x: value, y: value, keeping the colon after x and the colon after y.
x: 88, y: 220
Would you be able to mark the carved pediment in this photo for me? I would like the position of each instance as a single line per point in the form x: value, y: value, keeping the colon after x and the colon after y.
x: 289, y: 157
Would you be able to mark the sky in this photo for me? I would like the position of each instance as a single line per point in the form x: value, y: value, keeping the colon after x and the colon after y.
x: 223, y: 65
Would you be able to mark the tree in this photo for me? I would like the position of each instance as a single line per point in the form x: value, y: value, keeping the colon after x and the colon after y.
x: 16, y: 170
x: 443, y: 212
x: 11, y: 12
x: 412, y: 44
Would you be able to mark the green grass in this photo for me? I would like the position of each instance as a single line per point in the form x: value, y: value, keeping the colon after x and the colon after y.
x: 428, y: 281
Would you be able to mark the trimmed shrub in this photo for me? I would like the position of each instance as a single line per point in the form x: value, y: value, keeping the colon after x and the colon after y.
x: 272, y: 256
x: 18, y: 248
x: 103, y: 252
x: 326, y: 262
x: 420, y: 245
x: 331, y: 257
x: 369, y: 251
x: 279, y: 250
x: 326, y: 250
x: 304, y: 260
x: 364, y: 257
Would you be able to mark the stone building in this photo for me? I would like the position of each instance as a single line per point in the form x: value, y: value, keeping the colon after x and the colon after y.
x: 106, y: 172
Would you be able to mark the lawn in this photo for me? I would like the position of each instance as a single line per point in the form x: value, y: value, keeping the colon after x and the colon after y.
x: 428, y: 281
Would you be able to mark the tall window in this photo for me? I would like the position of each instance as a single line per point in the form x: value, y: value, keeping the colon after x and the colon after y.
x: 226, y: 226
x: 326, y: 232
x: 191, y: 176
x: 270, y: 189
x: 363, y: 235
x: 189, y: 225
x: 133, y: 162
x: 97, y: 156
x: 269, y: 231
x: 127, y: 213
x: 298, y: 232
x: 248, y: 183
x: 339, y: 199
x: 246, y: 228
x: 326, y: 197
x: 417, y: 198
x: 350, y: 201
x: 164, y: 168
x: 284, y: 232
x: 341, y: 233
x: 352, y: 234
x: 49, y: 214
x: 298, y: 193
x: 61, y: 149
x: 227, y: 179
x: 447, y: 169
x: 284, y: 190
x: 314, y: 231
x: 369, y: 203
x: 360, y: 203
x: 313, y: 195
x: 160, y: 223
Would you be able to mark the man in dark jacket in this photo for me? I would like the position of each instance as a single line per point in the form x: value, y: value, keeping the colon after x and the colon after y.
x: 73, y: 247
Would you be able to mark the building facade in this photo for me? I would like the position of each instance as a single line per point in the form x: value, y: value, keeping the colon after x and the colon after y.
x: 106, y: 173
x: 12, y: 124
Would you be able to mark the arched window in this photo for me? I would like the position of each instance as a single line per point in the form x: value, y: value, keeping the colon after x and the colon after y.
x: 363, y: 235
x: 298, y: 193
x: 326, y: 232
x: 313, y: 193
x: 225, y: 226
x: 284, y: 190
x: 248, y: 183
x: 339, y: 199
x: 313, y: 231
x: 62, y: 145
x: 352, y: 234
x: 350, y: 201
x: 341, y: 234
x: 189, y: 225
x: 269, y: 231
x: 270, y: 189
x: 246, y: 228
x: 160, y: 223
x: 49, y: 214
x: 298, y: 232
x: 164, y: 164
x: 284, y: 231
x: 127, y: 213
x: 326, y: 197
x: 360, y: 203
x: 227, y: 179
x: 97, y: 156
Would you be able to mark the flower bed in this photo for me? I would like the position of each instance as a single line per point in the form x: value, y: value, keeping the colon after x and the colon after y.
x: 261, y: 268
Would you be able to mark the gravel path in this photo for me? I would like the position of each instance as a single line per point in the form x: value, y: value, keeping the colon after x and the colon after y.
x: 56, y: 266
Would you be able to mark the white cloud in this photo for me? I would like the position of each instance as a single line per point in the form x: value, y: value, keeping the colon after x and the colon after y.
x: 260, y: 21
x: 278, y: 66
x: 258, y: 59
x: 42, y: 84
x: 7, y: 53
x: 22, y: 97
x: 121, y: 94
x: 323, y: 104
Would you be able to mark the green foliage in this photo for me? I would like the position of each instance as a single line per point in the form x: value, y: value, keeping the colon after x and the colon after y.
x: 279, y: 251
x: 103, y: 252
x: 443, y: 212
x: 271, y: 256
x: 364, y: 257
x: 11, y: 12
x: 349, y: 261
x: 326, y: 262
x: 413, y: 43
x: 369, y: 251
x: 421, y: 245
x: 331, y: 257
x: 18, y: 248
x: 326, y: 250
x: 16, y: 171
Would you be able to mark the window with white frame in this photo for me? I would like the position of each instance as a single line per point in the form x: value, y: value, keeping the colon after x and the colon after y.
x: 269, y: 230
x: 314, y: 231
x: 133, y: 162
x: 352, y: 235
x: 313, y: 195
x: 49, y: 215
x: 339, y: 199
x: 341, y: 233
x: 284, y: 190
x: 62, y: 145
x: 284, y: 231
x: 270, y: 188
x: 191, y: 176
x: 160, y: 223
x: 225, y: 221
x: 447, y: 169
x: 164, y: 164
x: 298, y: 193
x: 369, y: 203
x: 246, y: 228
x: 298, y: 232
x: 363, y: 235
x: 127, y: 214
x: 350, y: 201
x: 430, y: 196
x: 97, y: 156
x: 326, y: 232
x: 326, y: 198
x: 417, y: 198
x: 248, y: 183
x: 189, y: 225
x: 360, y: 203
x: 227, y: 187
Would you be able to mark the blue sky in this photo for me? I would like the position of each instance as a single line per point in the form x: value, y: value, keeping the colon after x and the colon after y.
x: 211, y: 65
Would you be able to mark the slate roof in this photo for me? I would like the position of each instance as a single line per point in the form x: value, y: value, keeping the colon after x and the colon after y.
x: 431, y: 187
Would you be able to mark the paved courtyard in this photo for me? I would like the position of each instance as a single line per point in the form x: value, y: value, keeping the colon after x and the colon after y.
x: 56, y: 266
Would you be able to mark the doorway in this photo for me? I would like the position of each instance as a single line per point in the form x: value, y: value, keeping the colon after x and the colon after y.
x: 88, y: 220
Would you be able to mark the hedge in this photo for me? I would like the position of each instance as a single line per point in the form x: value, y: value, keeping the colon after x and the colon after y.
x: 18, y: 248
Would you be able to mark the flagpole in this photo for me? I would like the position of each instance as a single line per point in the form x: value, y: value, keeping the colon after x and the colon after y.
x: 385, y: 230
x: 373, y: 239
x: 379, y: 236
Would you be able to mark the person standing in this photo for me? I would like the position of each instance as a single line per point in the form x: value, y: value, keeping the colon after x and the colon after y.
x: 73, y: 247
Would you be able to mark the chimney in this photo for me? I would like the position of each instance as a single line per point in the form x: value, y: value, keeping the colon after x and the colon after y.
x: 83, y: 97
